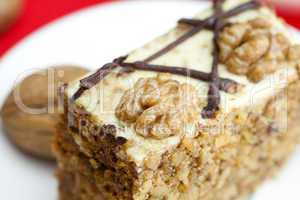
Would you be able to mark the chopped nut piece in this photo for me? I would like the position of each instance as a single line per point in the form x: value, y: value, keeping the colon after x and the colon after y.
x: 279, y: 46
x: 153, y: 161
x: 248, y: 53
x: 294, y: 53
x: 260, y: 23
x: 231, y: 38
x: 259, y: 70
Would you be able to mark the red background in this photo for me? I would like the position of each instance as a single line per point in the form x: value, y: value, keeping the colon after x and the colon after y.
x: 40, y: 12
x: 37, y: 13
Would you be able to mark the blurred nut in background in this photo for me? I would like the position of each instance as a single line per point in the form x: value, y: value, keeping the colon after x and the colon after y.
x: 30, y: 112
x: 9, y: 11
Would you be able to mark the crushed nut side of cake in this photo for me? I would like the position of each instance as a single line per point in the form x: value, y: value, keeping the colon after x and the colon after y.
x: 229, y: 165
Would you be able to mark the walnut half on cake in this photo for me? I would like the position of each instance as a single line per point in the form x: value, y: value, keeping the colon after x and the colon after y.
x: 207, y: 111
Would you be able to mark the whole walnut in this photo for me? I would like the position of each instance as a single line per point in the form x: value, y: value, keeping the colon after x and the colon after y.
x: 9, y: 11
x: 160, y: 107
x: 252, y: 49
x: 31, y: 111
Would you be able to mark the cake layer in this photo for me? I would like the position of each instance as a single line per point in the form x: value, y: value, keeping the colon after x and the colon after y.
x: 208, y: 119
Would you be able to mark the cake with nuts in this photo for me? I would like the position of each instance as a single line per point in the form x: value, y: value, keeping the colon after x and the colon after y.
x: 207, y: 111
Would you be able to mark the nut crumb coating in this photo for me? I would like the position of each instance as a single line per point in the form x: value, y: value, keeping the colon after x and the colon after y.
x: 228, y: 165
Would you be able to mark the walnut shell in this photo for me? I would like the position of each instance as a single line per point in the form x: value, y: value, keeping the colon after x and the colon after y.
x: 9, y: 12
x: 33, y: 132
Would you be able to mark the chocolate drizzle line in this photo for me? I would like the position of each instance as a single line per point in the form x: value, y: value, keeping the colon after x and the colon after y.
x: 196, y: 22
x: 226, y: 85
x: 92, y: 80
x: 216, y: 83
x: 214, y: 98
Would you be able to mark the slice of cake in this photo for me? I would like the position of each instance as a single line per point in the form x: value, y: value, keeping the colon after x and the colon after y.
x: 207, y: 111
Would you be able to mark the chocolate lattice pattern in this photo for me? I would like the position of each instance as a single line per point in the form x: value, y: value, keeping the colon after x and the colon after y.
x: 215, y: 23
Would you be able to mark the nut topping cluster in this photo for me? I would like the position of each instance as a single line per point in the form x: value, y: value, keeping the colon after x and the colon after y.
x: 160, y: 107
x: 251, y: 49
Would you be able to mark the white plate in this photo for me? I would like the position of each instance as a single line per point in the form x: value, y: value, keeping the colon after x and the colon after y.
x: 90, y: 38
